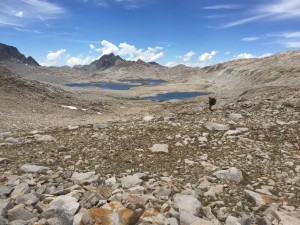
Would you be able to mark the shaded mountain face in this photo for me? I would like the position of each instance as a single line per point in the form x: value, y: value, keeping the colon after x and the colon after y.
x: 11, y: 53
x: 107, y: 61
x: 113, y: 61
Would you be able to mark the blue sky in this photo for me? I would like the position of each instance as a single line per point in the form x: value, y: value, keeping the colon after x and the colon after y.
x: 170, y: 32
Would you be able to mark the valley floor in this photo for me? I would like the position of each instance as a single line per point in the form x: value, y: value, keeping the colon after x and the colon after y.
x: 161, y: 163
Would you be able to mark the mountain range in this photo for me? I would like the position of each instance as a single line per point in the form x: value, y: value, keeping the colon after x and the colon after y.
x: 11, y: 53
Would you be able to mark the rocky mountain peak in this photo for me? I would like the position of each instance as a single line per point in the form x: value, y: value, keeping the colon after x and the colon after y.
x: 107, y: 61
x: 11, y: 53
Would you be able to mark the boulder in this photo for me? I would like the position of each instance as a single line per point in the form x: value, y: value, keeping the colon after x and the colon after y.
x: 187, y: 203
x: 258, y: 199
x: 217, y: 127
x: 84, y: 178
x: 160, y: 148
x: 33, y: 168
x: 232, y: 174
x: 131, y: 181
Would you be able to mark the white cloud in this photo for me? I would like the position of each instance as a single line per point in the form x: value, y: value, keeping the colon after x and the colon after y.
x: 245, y: 56
x: 92, y: 46
x: 32, y: 10
x: 132, y: 53
x: 292, y: 44
x: 171, y: 64
x: 216, y: 7
x: 242, y: 21
x: 19, y: 14
x: 109, y: 48
x: 265, y: 55
x: 250, y: 39
x: 291, y: 35
x: 207, y: 56
x: 227, y: 53
x: 188, y: 56
x: 55, y: 55
x: 73, y: 61
x: 282, y: 9
x: 278, y: 10
x: 250, y: 56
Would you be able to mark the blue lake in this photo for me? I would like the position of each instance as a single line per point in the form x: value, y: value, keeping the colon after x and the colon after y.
x: 175, y: 95
x: 123, y: 85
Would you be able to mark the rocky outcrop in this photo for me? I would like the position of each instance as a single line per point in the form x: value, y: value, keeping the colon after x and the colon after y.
x: 11, y: 53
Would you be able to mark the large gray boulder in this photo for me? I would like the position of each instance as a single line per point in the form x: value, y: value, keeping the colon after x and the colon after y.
x: 187, y: 203
x: 232, y: 174
x: 84, y: 178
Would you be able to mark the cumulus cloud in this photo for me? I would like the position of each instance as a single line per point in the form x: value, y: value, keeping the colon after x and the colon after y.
x: 92, y: 46
x: 265, y: 55
x: 187, y: 57
x: 250, y: 56
x: 207, y: 56
x: 171, y: 64
x: 80, y: 60
x: 55, y: 55
x: 132, y: 53
x: 244, y: 56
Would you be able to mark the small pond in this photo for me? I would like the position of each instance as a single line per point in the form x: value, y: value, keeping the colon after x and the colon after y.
x: 175, y: 95
x: 123, y: 85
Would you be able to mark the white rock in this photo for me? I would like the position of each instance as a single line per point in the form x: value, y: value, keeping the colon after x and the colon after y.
x: 231, y: 220
x: 190, y: 162
x: 131, y: 181
x: 160, y: 148
x: 232, y: 173
x: 67, y: 203
x: 111, y: 181
x: 44, y: 137
x: 69, y: 107
x: 171, y: 221
x: 237, y: 131
x: 85, y: 178
x: 202, y: 139
x: 257, y: 198
x: 235, y: 116
x: 33, y: 168
x: 140, y: 190
x: 217, y: 126
x: 73, y: 127
x: 187, y: 203
x: 286, y: 219
x: 2, y: 160
x: 190, y: 219
x: 12, y: 140
x: 148, y: 118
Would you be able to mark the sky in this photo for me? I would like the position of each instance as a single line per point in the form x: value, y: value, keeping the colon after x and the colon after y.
x: 170, y: 32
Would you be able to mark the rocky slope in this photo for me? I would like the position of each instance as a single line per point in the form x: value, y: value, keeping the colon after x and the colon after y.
x: 279, y: 69
x: 14, y: 85
x: 10, y: 53
x: 179, y: 164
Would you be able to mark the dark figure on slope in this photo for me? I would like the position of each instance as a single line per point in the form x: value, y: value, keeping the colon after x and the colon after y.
x: 212, y: 101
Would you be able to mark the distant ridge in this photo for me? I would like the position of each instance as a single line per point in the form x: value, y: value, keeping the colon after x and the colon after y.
x: 114, y: 61
x: 11, y: 53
